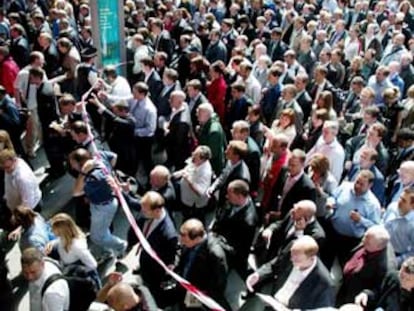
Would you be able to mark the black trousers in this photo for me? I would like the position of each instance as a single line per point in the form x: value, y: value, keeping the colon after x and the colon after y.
x: 143, y: 147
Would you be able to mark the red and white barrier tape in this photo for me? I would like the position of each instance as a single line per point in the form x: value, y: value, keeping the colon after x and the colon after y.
x: 206, y: 300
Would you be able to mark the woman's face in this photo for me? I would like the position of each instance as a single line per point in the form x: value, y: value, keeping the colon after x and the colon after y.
x: 284, y: 121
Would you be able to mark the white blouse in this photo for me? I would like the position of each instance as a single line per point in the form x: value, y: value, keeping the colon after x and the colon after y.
x: 77, y: 252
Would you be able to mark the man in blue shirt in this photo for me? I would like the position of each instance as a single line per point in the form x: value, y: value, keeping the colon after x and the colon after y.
x: 401, y: 228
x: 145, y: 115
x: 354, y: 208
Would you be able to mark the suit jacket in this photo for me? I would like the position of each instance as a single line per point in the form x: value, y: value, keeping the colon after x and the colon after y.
x: 303, y: 189
x: 269, y: 102
x: 253, y: 163
x: 208, y: 270
x: 239, y: 229
x: 375, y: 44
x: 370, y: 276
x: 164, y: 241
x: 355, y: 143
x: 281, y: 241
x: 178, y: 139
x: 163, y: 101
x: 305, y: 102
x: 212, y: 135
x: 155, y: 86
x: 277, y: 50
x: 239, y: 171
x: 316, y: 290
x: 216, y: 51
x: 19, y: 50
x: 200, y: 100
x: 164, y: 43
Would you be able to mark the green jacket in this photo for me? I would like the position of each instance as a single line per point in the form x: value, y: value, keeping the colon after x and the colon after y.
x: 212, y: 135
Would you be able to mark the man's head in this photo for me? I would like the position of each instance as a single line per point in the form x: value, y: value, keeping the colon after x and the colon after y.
x: 33, y: 264
x: 406, y: 172
x: 363, y: 182
x: 192, y: 233
x: 375, y: 239
x: 279, y: 144
x: 407, y: 274
x: 140, y: 90
x: 240, y: 130
x: 8, y: 160
x: 236, y: 150
x: 79, y: 132
x: 382, y: 73
x: 36, y: 76
x: 204, y: 113
x: 177, y: 99
x: 375, y: 133
x: 303, y: 209
x: 296, y: 162
x: 367, y: 158
x: 159, y: 177
x: 406, y: 201
x: 238, y: 192
x: 152, y: 204
x: 303, y: 252
x: 194, y: 88
x: 121, y: 297
x: 329, y: 131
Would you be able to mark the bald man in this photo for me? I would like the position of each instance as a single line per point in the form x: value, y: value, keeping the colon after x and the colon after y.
x: 122, y: 296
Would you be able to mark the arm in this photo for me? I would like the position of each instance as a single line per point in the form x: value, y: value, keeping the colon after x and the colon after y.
x: 83, y: 254
x: 55, y: 300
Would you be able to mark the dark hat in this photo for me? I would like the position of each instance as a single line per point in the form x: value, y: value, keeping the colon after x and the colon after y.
x: 89, y: 52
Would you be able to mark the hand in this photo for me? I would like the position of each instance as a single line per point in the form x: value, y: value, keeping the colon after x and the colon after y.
x: 48, y: 248
x: 348, y: 165
x: 355, y: 216
x: 267, y: 234
x: 300, y: 224
x: 114, y: 278
x: 15, y: 234
x: 251, y: 281
x: 330, y: 204
x: 210, y: 192
x: 94, y: 100
x: 102, y: 95
x: 361, y: 299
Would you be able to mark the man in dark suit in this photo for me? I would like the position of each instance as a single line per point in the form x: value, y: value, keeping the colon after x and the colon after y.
x: 178, y: 132
x: 321, y: 83
x: 195, y: 98
x: 157, y: 226
x: 271, y: 95
x: 302, y: 97
x: 162, y: 38
x: 369, y: 264
x: 279, y: 235
x: 151, y: 78
x: 241, y: 131
x: 171, y: 84
x: 203, y: 263
x: 216, y: 50
x: 235, y: 168
x: 277, y: 47
x: 369, y: 41
x: 293, y: 185
x: 313, y: 287
x: 19, y: 46
x: 237, y: 223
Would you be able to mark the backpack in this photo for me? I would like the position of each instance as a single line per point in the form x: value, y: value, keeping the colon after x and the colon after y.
x: 82, y: 288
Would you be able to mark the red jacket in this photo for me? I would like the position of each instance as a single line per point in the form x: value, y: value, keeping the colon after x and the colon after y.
x: 8, y: 73
x: 216, y: 94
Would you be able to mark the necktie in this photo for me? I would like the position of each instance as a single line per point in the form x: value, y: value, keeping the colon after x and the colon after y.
x: 356, y: 263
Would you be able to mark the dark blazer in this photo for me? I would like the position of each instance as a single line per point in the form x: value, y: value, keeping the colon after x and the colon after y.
x: 355, y: 143
x: 164, y: 43
x: 390, y: 296
x: 163, y: 101
x: 240, y: 171
x: 370, y: 276
x: 375, y: 44
x: 239, y: 230
x: 305, y: 102
x: 269, y: 102
x: 303, y: 189
x: 164, y: 241
x: 277, y: 50
x: 200, y: 100
x: 178, y: 139
x: 280, y: 243
x: 19, y: 50
x: 216, y: 51
x: 155, y: 86
x: 316, y: 290
x: 253, y: 163
x: 208, y: 270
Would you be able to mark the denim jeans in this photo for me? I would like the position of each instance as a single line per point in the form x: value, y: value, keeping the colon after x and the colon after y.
x: 101, y: 219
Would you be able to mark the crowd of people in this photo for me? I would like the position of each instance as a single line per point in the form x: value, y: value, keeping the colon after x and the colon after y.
x: 272, y: 140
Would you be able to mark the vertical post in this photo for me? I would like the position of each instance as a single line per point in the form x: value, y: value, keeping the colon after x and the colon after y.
x: 108, y: 32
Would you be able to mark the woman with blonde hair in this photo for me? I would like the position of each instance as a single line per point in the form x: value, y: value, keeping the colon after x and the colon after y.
x: 71, y: 245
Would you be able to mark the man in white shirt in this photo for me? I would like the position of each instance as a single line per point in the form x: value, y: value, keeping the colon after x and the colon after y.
x: 36, y: 270
x: 328, y: 145
x: 304, y: 284
x: 20, y: 183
